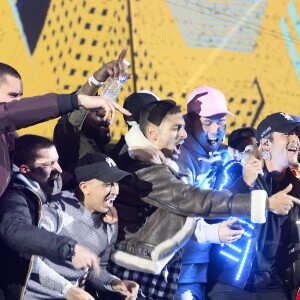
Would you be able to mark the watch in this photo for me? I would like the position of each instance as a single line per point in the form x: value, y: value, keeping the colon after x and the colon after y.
x: 68, y: 252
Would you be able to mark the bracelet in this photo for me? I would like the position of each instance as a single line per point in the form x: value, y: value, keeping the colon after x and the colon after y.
x: 93, y: 82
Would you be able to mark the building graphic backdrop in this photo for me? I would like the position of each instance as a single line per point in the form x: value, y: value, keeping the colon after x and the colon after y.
x: 248, y: 49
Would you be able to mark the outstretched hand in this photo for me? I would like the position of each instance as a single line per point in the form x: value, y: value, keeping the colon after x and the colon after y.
x: 110, y: 107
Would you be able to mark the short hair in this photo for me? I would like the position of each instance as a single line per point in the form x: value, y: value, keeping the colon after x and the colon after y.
x: 8, y: 70
x: 27, y: 147
x: 156, y: 112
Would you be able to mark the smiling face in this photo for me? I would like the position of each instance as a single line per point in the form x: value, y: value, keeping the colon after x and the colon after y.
x: 284, y: 149
x: 208, y: 131
x: 11, y: 88
x: 99, y: 196
x: 169, y: 135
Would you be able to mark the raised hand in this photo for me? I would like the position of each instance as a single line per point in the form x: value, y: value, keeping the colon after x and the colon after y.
x: 281, y: 203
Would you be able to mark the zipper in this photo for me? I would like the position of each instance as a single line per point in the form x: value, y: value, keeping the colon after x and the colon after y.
x: 32, y: 256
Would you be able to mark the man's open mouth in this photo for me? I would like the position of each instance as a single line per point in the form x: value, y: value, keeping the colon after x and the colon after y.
x: 293, y: 149
x: 213, y: 141
x: 178, y: 147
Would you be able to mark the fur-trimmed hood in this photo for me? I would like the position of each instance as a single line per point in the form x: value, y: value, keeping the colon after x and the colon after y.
x: 136, y: 139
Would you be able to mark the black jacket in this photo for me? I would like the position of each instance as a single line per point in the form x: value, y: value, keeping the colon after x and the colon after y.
x: 20, y: 237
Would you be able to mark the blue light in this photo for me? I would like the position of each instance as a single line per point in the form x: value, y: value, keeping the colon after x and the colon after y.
x: 239, y: 250
x: 229, y: 256
x: 226, y: 178
x: 240, y: 270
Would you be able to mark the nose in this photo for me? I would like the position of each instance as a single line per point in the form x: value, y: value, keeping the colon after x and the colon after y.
x: 214, y: 127
x: 182, y: 133
x: 56, y: 168
x: 294, y: 137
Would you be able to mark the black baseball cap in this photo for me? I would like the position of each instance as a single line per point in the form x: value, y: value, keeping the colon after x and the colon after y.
x: 135, y: 103
x: 277, y: 122
x: 236, y: 136
x: 98, y: 166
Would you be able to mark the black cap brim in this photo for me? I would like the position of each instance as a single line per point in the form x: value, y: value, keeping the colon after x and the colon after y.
x: 114, y: 176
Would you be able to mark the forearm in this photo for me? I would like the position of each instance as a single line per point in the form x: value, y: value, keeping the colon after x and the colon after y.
x: 30, y: 111
x: 31, y: 240
x: 186, y: 200
x: 77, y: 117
x: 102, y: 282
x: 50, y: 278
x: 207, y: 233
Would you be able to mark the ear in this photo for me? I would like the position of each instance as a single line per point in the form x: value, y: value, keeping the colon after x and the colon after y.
x: 24, y: 169
x: 265, y: 145
x: 84, y: 187
x: 152, y: 132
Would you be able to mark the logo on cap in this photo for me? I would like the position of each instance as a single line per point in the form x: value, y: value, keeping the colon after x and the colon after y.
x: 288, y: 117
x: 110, y: 162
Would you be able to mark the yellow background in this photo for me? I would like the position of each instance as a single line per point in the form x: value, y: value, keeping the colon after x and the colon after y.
x: 69, y: 51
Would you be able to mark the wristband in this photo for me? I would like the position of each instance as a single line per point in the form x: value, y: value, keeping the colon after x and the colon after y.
x: 93, y: 82
x: 66, y: 288
x: 258, y: 206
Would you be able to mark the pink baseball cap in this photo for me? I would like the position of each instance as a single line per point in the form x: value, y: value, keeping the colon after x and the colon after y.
x: 207, y: 101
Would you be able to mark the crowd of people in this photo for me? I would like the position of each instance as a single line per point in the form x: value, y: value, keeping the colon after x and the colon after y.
x: 168, y: 212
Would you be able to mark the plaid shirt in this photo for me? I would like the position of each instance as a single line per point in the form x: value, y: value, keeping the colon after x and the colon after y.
x: 160, y: 286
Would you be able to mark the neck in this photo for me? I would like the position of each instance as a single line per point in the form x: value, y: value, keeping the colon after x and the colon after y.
x: 277, y: 171
x: 81, y: 198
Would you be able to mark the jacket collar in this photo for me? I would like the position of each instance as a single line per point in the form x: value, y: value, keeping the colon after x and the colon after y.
x: 136, y: 139
x: 19, y: 180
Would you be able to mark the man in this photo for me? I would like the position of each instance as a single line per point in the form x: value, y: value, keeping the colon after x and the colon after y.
x: 134, y: 103
x: 200, y: 160
x: 157, y: 210
x: 15, y: 114
x: 36, y: 174
x: 266, y: 271
x: 78, y: 214
x: 81, y: 131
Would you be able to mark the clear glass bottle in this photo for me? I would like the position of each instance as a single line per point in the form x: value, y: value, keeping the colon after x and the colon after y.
x: 112, y: 87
